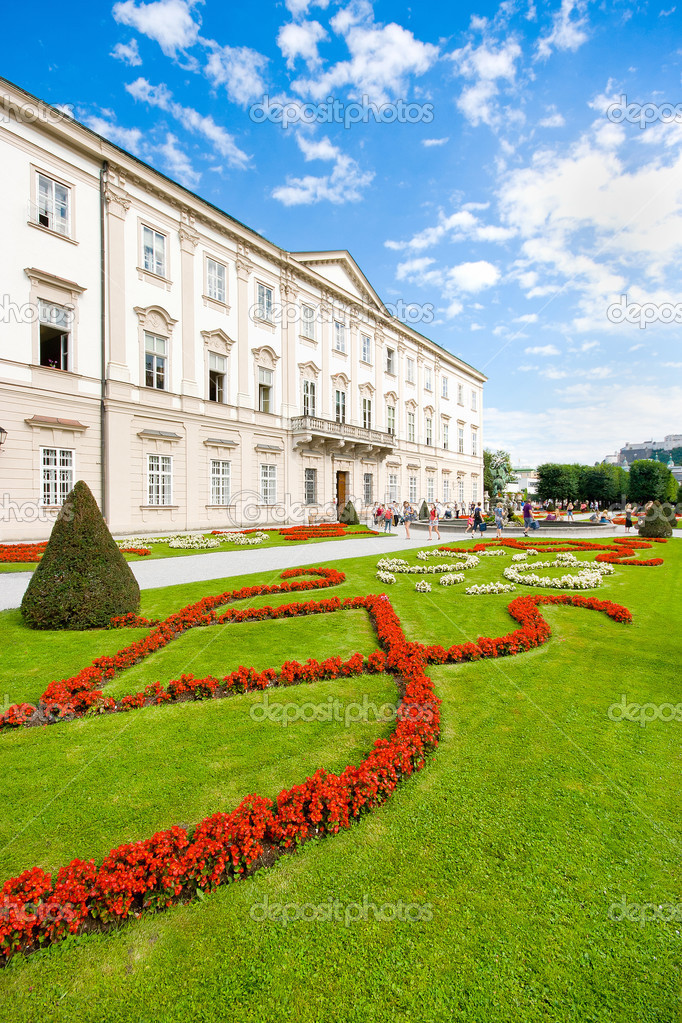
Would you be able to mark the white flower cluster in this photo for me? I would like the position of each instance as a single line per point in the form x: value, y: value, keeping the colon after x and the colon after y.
x: 451, y: 578
x: 489, y: 588
x: 530, y: 553
x: 423, y: 587
x: 386, y: 577
x: 392, y: 565
x: 497, y: 553
x: 193, y: 542
x: 423, y: 555
x: 588, y: 579
x: 137, y: 541
x: 566, y: 559
x: 242, y: 540
x: 470, y: 560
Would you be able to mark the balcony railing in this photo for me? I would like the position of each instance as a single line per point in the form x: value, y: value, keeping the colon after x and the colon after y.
x: 330, y: 428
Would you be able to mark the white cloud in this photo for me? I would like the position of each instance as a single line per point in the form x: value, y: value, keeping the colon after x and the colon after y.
x: 487, y: 65
x: 178, y: 163
x: 412, y: 267
x: 566, y: 34
x: 130, y: 139
x: 159, y: 96
x: 345, y: 183
x: 299, y: 8
x: 527, y: 318
x: 435, y: 142
x: 129, y: 53
x: 455, y: 227
x: 382, y: 58
x: 239, y: 69
x: 553, y: 120
x: 474, y: 276
x: 169, y: 22
x: 542, y: 350
x: 301, y: 40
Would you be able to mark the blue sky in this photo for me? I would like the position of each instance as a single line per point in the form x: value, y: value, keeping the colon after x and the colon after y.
x: 505, y: 219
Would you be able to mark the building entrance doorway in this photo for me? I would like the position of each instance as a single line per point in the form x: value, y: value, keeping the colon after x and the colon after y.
x: 342, y: 488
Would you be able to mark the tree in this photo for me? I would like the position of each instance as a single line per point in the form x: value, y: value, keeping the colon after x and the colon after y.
x: 349, y: 516
x: 557, y: 482
x: 82, y: 579
x: 658, y: 520
x: 676, y: 455
x: 497, y: 472
x: 672, y: 489
x: 648, y: 480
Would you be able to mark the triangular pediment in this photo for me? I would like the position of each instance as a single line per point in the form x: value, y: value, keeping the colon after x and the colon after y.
x: 341, y: 270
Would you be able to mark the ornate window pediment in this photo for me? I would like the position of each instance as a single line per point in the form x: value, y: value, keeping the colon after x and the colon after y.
x: 428, y: 409
x: 265, y: 357
x: 366, y: 390
x: 411, y: 405
x: 340, y: 381
x: 217, y: 340
x: 391, y: 397
x: 308, y: 370
x: 155, y: 319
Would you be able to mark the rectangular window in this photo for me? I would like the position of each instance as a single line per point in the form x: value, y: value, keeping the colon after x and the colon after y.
x: 268, y: 484
x: 430, y: 487
x: 220, y: 481
x: 308, y: 322
x: 159, y: 479
x: 310, y: 486
x: 410, y: 371
x: 429, y: 430
x: 460, y: 440
x: 340, y: 406
x: 460, y: 394
x: 55, y: 321
x: 410, y: 426
x: 366, y: 348
x: 474, y: 400
x: 427, y: 379
x: 217, y: 376
x: 264, y: 303
x: 390, y: 419
x: 56, y: 475
x: 412, y: 488
x: 155, y: 359
x: 390, y: 361
x: 474, y: 442
x: 264, y: 390
x: 216, y: 280
x: 339, y: 336
x: 154, y: 246
x: 444, y: 387
x: 446, y: 436
x: 392, y: 486
x: 367, y: 413
x: 53, y: 205
x: 368, y: 487
x: 460, y: 490
x: 446, y: 489
x: 308, y: 398
x: 474, y: 490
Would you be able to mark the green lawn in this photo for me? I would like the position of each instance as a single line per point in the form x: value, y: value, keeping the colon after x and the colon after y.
x: 534, y: 817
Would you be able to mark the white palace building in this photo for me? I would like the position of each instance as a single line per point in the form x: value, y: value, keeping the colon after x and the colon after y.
x: 194, y: 374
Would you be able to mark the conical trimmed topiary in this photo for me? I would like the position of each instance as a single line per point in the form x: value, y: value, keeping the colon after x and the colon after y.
x: 82, y: 579
x: 349, y: 516
x: 424, y: 512
x: 656, y: 521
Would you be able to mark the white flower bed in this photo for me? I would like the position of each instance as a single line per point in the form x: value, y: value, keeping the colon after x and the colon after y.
x: 451, y: 578
x: 497, y: 553
x: 386, y: 577
x: 242, y: 540
x: 588, y: 579
x: 136, y: 541
x: 423, y: 586
x: 402, y: 567
x: 489, y: 588
x: 392, y: 565
x: 530, y: 553
x: 193, y: 542
x: 470, y: 560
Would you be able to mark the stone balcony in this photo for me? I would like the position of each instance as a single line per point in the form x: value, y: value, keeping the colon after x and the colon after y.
x: 330, y: 436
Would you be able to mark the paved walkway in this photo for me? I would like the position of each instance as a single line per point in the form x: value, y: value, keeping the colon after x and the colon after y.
x: 196, y: 567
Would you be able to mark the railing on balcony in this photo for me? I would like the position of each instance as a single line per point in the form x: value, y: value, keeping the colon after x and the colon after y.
x: 329, y: 427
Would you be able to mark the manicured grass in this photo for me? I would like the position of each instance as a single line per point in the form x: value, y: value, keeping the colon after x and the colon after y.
x: 536, y: 814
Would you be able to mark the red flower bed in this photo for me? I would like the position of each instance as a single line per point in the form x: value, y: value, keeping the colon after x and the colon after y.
x: 141, y: 551
x: 15, y: 553
x: 615, y: 553
x: 173, y: 865
x: 324, y: 529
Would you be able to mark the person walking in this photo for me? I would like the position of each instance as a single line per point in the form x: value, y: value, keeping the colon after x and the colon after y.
x: 569, y: 512
x: 527, y: 516
x: 499, y: 521
x: 388, y: 518
x: 433, y: 522
x: 407, y: 514
x: 628, y: 518
x: 478, y: 518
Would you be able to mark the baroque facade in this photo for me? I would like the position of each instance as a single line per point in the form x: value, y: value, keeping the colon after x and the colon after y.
x: 194, y: 374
